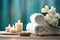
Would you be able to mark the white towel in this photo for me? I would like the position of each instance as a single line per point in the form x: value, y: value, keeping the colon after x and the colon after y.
x: 37, y: 18
x: 34, y: 28
x: 39, y: 29
x: 31, y: 27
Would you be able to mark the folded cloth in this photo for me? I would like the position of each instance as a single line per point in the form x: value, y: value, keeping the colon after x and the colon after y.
x: 34, y: 28
x: 37, y: 18
x: 39, y: 29
x: 31, y: 27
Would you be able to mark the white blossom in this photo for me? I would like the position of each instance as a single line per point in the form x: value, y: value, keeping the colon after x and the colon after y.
x: 51, y: 15
x: 55, y: 22
x: 52, y: 10
x: 47, y: 15
x: 47, y: 19
x: 57, y: 15
x: 45, y: 9
x: 51, y: 20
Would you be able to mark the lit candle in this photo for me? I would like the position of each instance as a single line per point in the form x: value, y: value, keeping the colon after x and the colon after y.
x: 19, y: 26
x: 8, y: 28
x: 13, y: 30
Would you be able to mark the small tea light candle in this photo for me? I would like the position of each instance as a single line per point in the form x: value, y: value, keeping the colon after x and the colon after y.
x: 8, y: 28
x: 19, y: 26
x: 13, y: 30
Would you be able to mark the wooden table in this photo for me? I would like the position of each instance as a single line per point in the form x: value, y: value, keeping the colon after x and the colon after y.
x: 32, y: 37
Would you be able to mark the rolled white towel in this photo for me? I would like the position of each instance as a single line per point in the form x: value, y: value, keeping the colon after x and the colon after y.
x: 37, y: 18
x: 39, y: 29
x: 31, y: 27
x: 34, y: 28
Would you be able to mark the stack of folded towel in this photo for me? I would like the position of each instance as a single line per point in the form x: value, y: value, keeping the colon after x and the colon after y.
x: 37, y: 26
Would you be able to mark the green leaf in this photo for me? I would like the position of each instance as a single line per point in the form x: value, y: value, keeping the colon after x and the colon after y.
x: 44, y: 13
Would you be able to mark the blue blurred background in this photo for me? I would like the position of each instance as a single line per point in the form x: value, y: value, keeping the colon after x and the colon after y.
x: 13, y: 10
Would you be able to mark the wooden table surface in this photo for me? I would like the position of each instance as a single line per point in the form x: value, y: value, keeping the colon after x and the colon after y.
x: 32, y: 37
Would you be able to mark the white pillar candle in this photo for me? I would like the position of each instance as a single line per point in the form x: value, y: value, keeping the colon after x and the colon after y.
x: 19, y: 26
x: 13, y: 30
x: 8, y: 28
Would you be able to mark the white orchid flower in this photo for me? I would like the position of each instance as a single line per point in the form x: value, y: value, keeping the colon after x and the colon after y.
x: 47, y: 19
x: 52, y: 10
x: 51, y: 15
x: 57, y: 15
x: 43, y: 10
x: 47, y: 8
x: 47, y: 15
x: 55, y: 22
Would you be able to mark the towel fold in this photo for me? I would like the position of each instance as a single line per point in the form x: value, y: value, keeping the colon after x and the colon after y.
x: 39, y: 29
x: 37, y: 26
x: 37, y: 18
x: 31, y: 28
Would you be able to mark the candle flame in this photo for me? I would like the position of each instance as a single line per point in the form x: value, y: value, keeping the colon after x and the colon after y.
x: 9, y: 25
x: 18, y: 21
x: 13, y: 26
